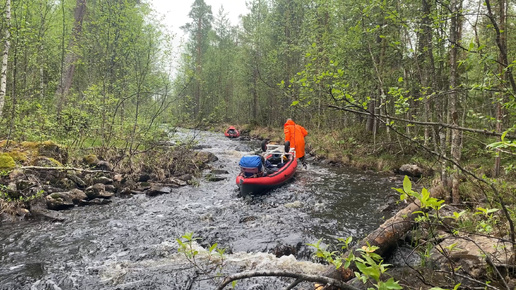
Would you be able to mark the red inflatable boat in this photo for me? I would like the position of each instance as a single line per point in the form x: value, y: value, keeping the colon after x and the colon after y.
x: 279, y: 168
x: 232, y: 132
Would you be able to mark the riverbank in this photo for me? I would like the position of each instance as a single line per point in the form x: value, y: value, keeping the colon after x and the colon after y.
x: 40, y: 178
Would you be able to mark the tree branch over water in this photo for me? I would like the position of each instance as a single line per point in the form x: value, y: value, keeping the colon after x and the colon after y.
x: 435, y: 124
x: 298, y: 276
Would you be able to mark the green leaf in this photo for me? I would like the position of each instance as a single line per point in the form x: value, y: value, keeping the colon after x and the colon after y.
x: 391, y: 284
x: 407, y: 185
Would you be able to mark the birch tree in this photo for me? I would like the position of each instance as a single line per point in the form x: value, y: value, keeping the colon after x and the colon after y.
x: 5, y: 57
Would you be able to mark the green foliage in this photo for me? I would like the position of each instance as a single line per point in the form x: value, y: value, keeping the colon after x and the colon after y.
x: 369, y: 264
x: 4, y: 195
x: 212, y: 259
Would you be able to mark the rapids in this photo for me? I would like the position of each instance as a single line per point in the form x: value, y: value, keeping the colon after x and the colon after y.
x: 131, y: 243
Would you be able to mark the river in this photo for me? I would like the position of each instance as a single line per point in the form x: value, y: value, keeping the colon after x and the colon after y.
x: 131, y: 243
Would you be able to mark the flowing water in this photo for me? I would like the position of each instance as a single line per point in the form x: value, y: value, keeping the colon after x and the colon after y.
x: 131, y: 243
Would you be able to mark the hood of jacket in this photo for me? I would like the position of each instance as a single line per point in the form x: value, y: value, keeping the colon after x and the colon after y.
x: 289, y: 122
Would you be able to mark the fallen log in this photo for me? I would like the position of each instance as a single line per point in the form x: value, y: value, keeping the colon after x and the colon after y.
x: 62, y: 169
x: 385, y: 238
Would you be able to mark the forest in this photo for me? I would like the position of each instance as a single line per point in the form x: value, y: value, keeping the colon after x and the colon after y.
x: 377, y: 83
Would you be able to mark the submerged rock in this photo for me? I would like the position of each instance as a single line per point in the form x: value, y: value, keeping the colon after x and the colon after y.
x: 158, y: 189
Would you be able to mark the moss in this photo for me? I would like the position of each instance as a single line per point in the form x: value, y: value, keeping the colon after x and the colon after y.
x: 6, y: 161
x: 29, y: 145
x: 18, y: 156
x: 90, y: 159
x: 47, y: 162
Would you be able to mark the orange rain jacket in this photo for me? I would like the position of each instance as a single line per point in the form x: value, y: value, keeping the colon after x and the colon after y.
x: 296, y: 135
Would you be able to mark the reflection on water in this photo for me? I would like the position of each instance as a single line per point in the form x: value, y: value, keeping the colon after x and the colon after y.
x: 130, y: 243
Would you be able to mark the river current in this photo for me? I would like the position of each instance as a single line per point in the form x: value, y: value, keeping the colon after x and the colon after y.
x: 131, y: 243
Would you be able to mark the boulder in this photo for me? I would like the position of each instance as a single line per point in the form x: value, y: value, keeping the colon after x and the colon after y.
x: 59, y: 201
x: 77, y: 195
x: 103, y: 180
x: 205, y: 157
x: 78, y: 181
x: 53, y: 151
x: 469, y: 254
x: 98, y: 190
x: 411, y: 170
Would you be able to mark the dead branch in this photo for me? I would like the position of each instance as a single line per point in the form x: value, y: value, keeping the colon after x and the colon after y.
x: 63, y: 169
x: 298, y: 276
x: 437, y: 124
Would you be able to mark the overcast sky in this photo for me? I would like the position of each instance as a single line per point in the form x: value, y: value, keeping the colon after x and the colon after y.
x: 175, y: 15
x: 176, y: 11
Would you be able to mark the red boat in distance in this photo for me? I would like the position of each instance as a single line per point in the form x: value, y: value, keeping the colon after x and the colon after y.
x: 232, y: 132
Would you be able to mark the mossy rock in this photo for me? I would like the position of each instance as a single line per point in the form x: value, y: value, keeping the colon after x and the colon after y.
x: 90, y: 159
x: 46, y: 162
x: 19, y: 156
x: 29, y: 145
x: 53, y: 150
x: 6, y: 162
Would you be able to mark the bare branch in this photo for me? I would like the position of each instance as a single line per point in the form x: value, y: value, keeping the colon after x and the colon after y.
x: 298, y: 276
x: 444, y: 125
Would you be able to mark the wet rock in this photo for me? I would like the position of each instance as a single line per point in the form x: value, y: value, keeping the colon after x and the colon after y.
x: 77, y: 195
x: 219, y: 171
x: 103, y: 180
x: 205, y: 157
x: 96, y: 201
x: 248, y: 219
x: 185, y: 177
x: 59, y: 201
x: 45, y: 214
x: 98, y: 191
x: 284, y: 250
x: 214, y: 178
x: 158, y: 189
x: 125, y: 191
x: 110, y: 188
x: 176, y: 181
x: 411, y: 170
x: 78, y: 181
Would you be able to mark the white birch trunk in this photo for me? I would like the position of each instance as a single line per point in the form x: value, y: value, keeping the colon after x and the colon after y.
x: 5, y: 56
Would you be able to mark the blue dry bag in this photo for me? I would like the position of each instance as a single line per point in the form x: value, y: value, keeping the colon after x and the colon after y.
x: 250, y: 165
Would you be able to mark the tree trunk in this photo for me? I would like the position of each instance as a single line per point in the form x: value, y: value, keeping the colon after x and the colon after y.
x: 5, y: 57
x: 455, y: 37
x: 501, y: 68
x: 71, y: 57
x: 385, y: 238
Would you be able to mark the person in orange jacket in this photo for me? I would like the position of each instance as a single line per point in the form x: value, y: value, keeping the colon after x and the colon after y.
x: 295, y: 134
